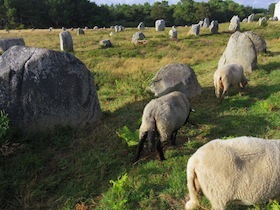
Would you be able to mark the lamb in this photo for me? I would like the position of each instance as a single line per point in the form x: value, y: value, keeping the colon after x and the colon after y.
x: 242, y: 170
x: 163, y: 117
x: 226, y: 76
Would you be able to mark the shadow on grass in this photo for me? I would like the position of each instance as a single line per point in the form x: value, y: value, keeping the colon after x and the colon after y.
x: 272, y: 66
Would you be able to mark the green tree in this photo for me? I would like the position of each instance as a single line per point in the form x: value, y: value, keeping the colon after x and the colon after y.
x: 271, y: 9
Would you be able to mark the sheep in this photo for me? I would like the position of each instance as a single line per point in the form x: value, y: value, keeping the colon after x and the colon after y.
x: 163, y: 117
x: 242, y: 170
x: 226, y: 76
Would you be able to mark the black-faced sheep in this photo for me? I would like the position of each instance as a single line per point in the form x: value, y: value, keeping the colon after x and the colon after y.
x: 243, y: 170
x: 226, y: 76
x: 163, y: 117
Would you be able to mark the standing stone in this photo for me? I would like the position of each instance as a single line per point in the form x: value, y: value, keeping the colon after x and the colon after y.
x: 175, y: 77
x: 95, y: 28
x: 234, y: 24
x: 201, y: 23
x: 66, y: 42
x: 262, y: 21
x: 241, y: 50
x: 195, y: 29
x: 43, y: 89
x: 86, y: 28
x: 141, y: 26
x: 137, y: 36
x: 259, y: 42
x: 80, y: 31
x: 251, y: 18
x: 119, y: 28
x: 206, y: 22
x: 63, y: 29
x: 214, y: 27
x: 5, y: 44
x: 277, y: 10
x: 245, y: 20
x: 105, y: 43
x: 173, y: 33
x: 160, y: 25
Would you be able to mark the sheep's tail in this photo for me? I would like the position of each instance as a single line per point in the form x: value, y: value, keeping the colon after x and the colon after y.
x: 193, y: 186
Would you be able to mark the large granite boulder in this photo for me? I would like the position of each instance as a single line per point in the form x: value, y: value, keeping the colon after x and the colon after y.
x: 66, y: 41
x: 251, y: 18
x: 195, y: 29
x: 241, y: 50
x: 141, y: 26
x: 41, y: 89
x: 175, y: 77
x: 9, y: 42
x: 262, y: 21
x: 173, y: 33
x: 160, y: 25
x: 137, y: 36
x: 206, y: 23
x: 106, y: 43
x: 259, y: 42
x: 214, y: 27
x: 234, y: 24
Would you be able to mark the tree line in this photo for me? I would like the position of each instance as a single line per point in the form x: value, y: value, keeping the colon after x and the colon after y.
x: 80, y: 13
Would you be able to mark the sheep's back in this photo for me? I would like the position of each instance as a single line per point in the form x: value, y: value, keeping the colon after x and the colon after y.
x: 244, y: 168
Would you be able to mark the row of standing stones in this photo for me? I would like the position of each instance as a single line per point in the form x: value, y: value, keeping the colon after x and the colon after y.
x: 41, y: 89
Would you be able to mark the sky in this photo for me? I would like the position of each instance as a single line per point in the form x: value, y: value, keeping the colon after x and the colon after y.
x: 253, y: 3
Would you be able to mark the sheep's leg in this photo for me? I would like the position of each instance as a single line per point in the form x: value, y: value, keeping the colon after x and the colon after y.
x: 173, y: 137
x: 140, y: 146
x: 160, y: 150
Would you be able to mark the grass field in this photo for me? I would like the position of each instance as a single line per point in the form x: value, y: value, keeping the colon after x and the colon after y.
x: 92, y: 168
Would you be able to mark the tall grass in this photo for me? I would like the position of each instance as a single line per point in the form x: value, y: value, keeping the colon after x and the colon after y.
x: 92, y: 168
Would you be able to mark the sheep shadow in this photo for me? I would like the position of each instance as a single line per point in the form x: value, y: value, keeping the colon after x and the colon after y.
x: 272, y: 66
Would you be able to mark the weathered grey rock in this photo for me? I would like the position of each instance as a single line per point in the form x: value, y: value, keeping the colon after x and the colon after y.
x: 234, y: 24
x: 195, y: 29
x: 86, y: 28
x: 137, y: 36
x: 214, y: 27
x: 240, y: 50
x: 5, y: 44
x: 66, y: 42
x: 245, y: 20
x: 111, y: 33
x: 262, y: 21
x: 175, y: 77
x: 95, y: 28
x: 105, y: 43
x: 206, y: 23
x: 80, y: 31
x: 160, y: 25
x: 251, y: 18
x: 63, y: 28
x: 259, y: 42
x: 141, y: 26
x: 43, y: 89
x: 173, y: 33
x: 201, y: 23
x: 119, y: 28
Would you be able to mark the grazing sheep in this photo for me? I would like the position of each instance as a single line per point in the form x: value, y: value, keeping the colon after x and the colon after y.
x: 163, y: 117
x: 226, y: 76
x: 243, y: 170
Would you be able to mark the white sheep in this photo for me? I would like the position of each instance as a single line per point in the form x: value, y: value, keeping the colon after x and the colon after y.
x: 163, y: 117
x: 243, y: 170
x: 226, y: 76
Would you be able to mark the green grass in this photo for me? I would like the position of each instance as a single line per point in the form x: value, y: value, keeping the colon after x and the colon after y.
x: 92, y: 168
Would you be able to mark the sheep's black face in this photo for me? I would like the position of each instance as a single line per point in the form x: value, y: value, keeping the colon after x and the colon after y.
x: 151, y: 140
